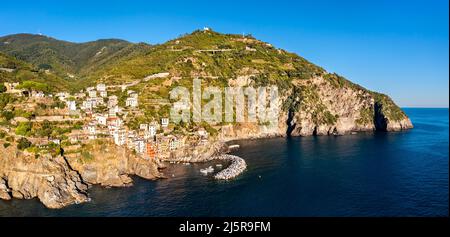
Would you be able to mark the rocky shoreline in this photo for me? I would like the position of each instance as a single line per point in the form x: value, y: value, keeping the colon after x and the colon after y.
x: 59, y: 181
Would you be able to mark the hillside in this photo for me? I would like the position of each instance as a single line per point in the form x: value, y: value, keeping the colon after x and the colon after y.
x: 14, y: 70
x: 66, y: 59
x: 314, y: 102
x: 52, y: 150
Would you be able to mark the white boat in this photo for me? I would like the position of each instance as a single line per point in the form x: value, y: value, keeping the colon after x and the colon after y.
x: 218, y: 165
x: 233, y: 146
x: 207, y: 170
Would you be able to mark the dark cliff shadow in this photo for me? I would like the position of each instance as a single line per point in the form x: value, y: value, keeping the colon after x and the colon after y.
x: 290, y: 126
x: 379, y: 118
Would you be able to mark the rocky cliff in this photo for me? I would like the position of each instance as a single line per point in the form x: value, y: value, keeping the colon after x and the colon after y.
x: 60, y: 181
x: 50, y: 179
x: 325, y: 105
x: 111, y: 165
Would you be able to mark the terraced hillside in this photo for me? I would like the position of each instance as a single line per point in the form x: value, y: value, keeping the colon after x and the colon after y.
x: 314, y: 102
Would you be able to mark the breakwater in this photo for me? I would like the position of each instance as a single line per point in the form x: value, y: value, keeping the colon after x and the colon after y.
x: 236, y: 167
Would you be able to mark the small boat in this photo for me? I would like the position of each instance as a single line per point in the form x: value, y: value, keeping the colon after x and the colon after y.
x: 218, y: 165
x: 207, y: 170
x: 233, y: 146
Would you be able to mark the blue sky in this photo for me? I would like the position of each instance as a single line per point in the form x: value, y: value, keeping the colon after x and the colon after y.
x: 400, y: 48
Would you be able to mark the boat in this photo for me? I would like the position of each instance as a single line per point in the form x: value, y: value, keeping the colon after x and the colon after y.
x: 207, y: 170
x: 233, y: 146
x: 218, y: 165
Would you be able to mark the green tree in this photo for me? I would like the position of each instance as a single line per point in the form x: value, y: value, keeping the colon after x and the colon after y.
x: 2, y: 88
x: 23, y: 143
x: 5, y: 99
x: 46, y: 129
x: 8, y: 115
x: 33, y: 86
x: 23, y: 129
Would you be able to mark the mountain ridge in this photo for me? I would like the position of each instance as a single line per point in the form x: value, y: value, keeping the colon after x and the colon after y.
x: 220, y: 60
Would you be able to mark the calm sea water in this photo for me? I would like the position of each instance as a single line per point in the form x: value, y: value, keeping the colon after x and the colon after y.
x: 382, y: 174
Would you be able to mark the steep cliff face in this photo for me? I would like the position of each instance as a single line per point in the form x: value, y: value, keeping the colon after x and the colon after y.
x: 326, y: 105
x: 61, y: 181
x: 50, y: 179
x: 112, y: 166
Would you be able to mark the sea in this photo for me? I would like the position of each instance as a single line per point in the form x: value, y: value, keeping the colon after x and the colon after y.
x: 365, y: 174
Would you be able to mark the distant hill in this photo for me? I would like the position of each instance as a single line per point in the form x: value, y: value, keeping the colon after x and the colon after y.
x: 14, y: 70
x: 62, y: 57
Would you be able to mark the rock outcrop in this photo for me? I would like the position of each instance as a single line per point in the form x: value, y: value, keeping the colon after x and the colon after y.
x: 50, y: 179
x: 63, y: 180
x: 326, y: 105
x: 112, y: 166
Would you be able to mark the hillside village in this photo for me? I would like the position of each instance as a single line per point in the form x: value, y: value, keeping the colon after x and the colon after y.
x: 98, y: 112
x: 93, y: 113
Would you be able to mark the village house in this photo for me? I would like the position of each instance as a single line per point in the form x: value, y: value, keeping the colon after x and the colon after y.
x: 114, y: 110
x: 151, y: 150
x: 62, y: 96
x: 99, y: 100
x: 101, y: 87
x: 140, y: 145
x: 120, y: 137
x: 203, y: 134
x: 93, y: 101
x: 91, y: 129
x: 250, y: 49
x: 173, y: 143
x: 101, y: 119
x: 71, y: 105
x: 131, y: 136
x: 92, y: 93
x: 79, y: 95
x: 112, y: 101
x: 162, y: 145
x: 147, y: 135
x: 56, y: 141
x: 114, y: 123
x: 37, y: 94
x: 103, y: 94
x: 164, y: 122
x: 76, y: 136
x: 87, y: 105
x: 131, y: 102
x: 11, y: 88
x: 152, y: 128
x: 143, y: 126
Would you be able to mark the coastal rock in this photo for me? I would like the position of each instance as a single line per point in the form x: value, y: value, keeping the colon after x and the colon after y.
x: 4, y: 190
x: 50, y: 179
x: 325, y: 106
x: 112, y: 166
